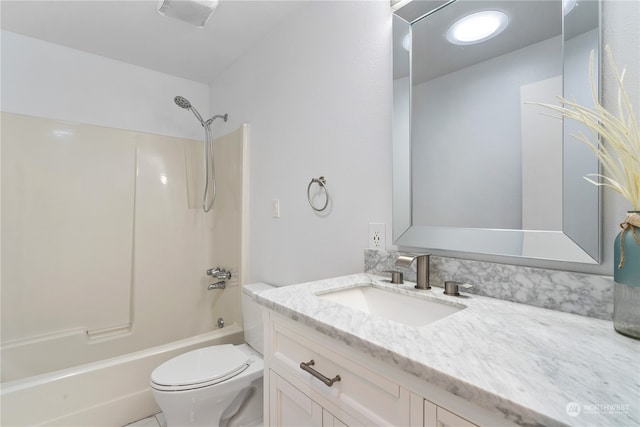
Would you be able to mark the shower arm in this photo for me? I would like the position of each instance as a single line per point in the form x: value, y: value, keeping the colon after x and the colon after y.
x: 217, y: 116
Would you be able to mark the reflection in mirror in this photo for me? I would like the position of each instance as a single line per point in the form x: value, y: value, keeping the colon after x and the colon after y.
x: 478, y: 167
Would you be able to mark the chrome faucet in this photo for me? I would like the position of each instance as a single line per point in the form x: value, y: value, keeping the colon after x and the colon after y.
x: 218, y: 273
x: 422, y: 281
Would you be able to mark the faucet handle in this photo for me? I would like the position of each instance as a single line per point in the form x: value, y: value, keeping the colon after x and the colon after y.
x: 213, y: 271
x: 451, y: 287
x: 219, y: 273
x: 397, y: 277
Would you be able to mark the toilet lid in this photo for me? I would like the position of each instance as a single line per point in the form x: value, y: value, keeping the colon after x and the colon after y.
x: 205, y: 365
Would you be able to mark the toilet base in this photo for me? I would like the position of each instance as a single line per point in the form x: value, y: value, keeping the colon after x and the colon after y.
x: 231, y: 403
x: 249, y: 414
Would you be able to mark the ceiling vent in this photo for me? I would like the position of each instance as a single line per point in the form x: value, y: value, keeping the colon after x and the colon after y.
x: 195, y: 12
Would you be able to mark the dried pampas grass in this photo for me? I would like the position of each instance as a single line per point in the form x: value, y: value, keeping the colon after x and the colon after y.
x: 614, y: 139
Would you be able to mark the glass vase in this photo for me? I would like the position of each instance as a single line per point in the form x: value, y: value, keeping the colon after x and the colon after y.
x: 626, y: 276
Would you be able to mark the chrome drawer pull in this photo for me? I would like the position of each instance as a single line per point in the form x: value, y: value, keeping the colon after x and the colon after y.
x: 327, y: 381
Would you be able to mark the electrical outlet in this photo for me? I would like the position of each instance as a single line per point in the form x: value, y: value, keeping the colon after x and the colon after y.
x: 377, y: 236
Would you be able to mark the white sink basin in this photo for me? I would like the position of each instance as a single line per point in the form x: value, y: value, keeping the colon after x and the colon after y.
x: 401, y: 308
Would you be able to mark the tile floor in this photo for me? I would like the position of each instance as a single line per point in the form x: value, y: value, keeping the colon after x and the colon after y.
x: 156, y: 420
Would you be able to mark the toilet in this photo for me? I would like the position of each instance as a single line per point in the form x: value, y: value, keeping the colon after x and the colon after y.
x: 219, y: 385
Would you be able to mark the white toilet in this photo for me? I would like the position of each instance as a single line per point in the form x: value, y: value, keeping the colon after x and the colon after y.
x: 219, y: 385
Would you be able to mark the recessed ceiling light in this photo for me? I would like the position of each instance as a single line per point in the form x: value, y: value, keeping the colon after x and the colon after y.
x: 477, y: 27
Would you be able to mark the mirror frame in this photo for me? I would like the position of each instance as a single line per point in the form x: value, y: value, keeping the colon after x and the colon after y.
x: 505, y: 242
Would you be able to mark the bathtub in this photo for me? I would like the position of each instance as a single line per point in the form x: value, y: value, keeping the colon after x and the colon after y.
x: 111, y: 392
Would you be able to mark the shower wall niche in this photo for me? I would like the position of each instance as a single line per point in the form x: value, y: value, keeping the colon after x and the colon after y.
x: 101, y: 253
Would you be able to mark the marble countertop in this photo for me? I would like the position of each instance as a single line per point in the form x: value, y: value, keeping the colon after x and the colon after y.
x: 538, y: 367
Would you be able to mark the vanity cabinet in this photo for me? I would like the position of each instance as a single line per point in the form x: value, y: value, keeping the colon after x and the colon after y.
x: 428, y: 414
x: 365, y: 391
x: 292, y: 408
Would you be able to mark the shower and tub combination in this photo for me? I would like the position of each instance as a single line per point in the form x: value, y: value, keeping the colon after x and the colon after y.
x: 82, y: 373
x: 105, y: 239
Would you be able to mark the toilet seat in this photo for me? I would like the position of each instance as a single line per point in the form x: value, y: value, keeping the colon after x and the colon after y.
x: 200, y: 368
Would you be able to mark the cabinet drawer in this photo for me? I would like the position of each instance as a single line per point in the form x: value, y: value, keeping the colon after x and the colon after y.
x: 362, y: 393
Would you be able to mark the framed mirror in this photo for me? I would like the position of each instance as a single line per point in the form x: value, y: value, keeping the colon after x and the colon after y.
x: 478, y: 165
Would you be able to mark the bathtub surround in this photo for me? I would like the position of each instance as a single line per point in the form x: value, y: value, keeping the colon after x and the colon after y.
x: 103, y: 257
x: 106, y: 257
x: 578, y: 293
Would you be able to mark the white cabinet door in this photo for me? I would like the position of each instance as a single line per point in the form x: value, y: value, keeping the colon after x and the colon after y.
x: 289, y: 407
x: 430, y: 414
x: 449, y: 419
x: 435, y: 416
x: 328, y: 420
x: 292, y: 408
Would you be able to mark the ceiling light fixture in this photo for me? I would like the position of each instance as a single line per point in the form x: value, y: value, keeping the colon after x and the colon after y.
x: 477, y: 27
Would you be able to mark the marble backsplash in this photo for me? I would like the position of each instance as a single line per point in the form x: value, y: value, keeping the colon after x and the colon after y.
x: 578, y: 293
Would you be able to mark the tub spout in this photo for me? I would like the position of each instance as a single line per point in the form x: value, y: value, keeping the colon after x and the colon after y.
x: 218, y: 285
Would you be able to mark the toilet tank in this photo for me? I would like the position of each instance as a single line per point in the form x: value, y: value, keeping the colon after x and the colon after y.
x: 252, y: 315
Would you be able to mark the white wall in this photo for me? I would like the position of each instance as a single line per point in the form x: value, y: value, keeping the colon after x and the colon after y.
x: 317, y: 93
x: 318, y: 102
x: 622, y: 33
x: 471, y: 118
x: 48, y: 80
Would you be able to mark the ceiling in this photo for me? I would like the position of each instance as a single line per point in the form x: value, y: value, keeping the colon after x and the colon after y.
x: 134, y: 32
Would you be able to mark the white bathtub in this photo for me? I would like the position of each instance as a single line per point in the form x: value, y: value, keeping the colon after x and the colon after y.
x: 112, y: 392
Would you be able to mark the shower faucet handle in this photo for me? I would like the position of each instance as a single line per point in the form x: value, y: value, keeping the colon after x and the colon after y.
x: 218, y: 273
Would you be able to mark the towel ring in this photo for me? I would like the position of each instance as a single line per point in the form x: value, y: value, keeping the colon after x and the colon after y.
x: 322, y: 182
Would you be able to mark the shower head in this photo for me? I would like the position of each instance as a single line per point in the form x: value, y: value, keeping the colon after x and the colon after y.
x: 182, y: 102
